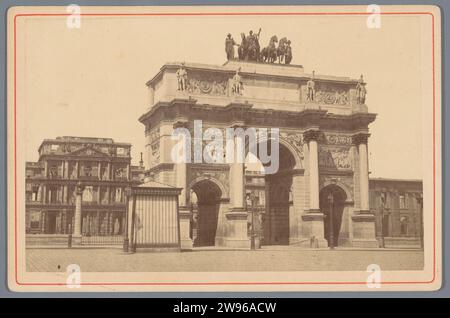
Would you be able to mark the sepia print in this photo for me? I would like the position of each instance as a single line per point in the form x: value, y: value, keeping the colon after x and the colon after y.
x: 224, y: 148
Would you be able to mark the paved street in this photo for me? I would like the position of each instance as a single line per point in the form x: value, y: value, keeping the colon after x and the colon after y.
x: 275, y: 259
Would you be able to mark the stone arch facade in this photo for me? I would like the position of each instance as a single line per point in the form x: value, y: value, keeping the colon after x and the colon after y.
x: 294, y: 147
x: 348, y: 192
x: 223, y: 191
x: 327, y: 138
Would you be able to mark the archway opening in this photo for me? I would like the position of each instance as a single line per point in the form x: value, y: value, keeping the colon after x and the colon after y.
x: 274, y: 197
x: 332, y: 201
x: 205, y: 207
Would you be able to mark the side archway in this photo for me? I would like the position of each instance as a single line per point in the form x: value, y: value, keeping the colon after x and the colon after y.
x: 332, y: 202
x: 205, y: 211
x: 342, y: 186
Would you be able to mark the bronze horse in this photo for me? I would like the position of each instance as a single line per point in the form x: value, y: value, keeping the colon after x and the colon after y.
x: 249, y: 49
x: 288, y: 54
x: 269, y: 53
x: 281, y: 50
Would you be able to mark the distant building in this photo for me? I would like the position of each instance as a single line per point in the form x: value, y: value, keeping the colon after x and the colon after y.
x: 102, y: 165
x: 394, y: 202
x: 397, y: 208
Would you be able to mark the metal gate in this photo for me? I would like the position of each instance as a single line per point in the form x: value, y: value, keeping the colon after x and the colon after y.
x: 102, y: 240
x: 103, y: 227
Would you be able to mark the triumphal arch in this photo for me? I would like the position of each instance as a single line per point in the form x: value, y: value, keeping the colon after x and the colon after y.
x: 319, y: 195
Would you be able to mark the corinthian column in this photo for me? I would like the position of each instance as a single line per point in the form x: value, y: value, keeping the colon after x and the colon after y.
x: 313, y: 234
x: 310, y: 137
x: 360, y: 140
x: 363, y: 223
x: 236, y: 218
x: 237, y: 174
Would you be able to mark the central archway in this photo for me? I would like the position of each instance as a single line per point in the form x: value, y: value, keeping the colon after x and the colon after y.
x: 280, y: 202
x: 274, y: 212
x: 332, y: 202
x: 206, y: 212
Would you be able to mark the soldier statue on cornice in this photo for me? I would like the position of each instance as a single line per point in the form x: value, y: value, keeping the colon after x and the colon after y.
x: 310, y: 88
x: 361, y: 91
x: 182, y: 78
x: 237, y: 85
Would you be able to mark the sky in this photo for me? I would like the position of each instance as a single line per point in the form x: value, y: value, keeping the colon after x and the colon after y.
x: 91, y: 81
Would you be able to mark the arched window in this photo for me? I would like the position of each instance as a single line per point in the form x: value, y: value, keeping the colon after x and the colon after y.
x: 403, y: 226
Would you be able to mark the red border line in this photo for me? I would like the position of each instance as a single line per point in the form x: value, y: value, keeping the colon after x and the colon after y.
x: 223, y: 14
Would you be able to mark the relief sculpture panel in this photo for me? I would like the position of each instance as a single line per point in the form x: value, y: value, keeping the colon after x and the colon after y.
x: 335, y: 158
x: 327, y: 94
x: 154, y: 147
x: 295, y: 140
x: 204, y: 84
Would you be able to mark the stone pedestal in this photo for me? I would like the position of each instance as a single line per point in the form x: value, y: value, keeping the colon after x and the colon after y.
x: 359, y: 108
x: 293, y: 225
x: 237, y: 236
x: 313, y: 230
x: 185, y: 228
x: 76, y: 240
x: 364, y: 234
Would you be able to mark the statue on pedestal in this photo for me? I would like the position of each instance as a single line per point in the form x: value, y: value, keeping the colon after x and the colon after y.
x: 310, y: 89
x: 237, y: 85
x: 361, y: 91
x: 182, y: 78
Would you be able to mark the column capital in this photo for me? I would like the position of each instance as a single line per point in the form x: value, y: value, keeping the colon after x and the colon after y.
x: 238, y: 124
x: 360, y: 138
x: 181, y: 123
x: 311, y: 134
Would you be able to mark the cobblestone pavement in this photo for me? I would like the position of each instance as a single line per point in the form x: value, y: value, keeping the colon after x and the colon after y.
x: 114, y: 260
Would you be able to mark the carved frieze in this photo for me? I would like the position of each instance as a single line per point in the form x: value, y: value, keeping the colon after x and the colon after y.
x: 328, y: 94
x: 332, y: 97
x: 202, y: 84
x: 335, y: 158
x: 335, y: 139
